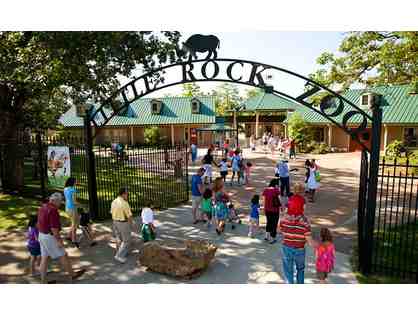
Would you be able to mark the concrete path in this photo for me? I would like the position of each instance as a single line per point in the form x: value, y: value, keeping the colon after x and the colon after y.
x: 239, y: 259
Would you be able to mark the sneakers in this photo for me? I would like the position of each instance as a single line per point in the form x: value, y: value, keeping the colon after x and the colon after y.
x: 78, y: 274
x: 273, y: 241
x: 121, y: 260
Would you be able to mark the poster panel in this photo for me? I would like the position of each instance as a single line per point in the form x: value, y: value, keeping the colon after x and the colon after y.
x: 59, y: 166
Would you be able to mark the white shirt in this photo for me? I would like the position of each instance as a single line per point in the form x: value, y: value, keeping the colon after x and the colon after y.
x: 147, y: 216
x: 224, y: 166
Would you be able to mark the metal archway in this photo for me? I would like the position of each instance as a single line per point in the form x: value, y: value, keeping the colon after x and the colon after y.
x: 334, y: 107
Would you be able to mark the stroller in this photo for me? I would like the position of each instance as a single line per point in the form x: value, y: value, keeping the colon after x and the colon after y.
x: 233, y: 217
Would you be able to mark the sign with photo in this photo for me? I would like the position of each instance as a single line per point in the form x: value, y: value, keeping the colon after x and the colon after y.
x: 59, y: 166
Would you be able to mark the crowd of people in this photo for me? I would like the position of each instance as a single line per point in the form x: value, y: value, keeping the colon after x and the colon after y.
x: 283, y: 207
x: 284, y: 146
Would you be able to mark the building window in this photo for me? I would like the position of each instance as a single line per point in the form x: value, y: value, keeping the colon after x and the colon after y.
x: 319, y: 135
x: 365, y: 100
x: 410, y: 137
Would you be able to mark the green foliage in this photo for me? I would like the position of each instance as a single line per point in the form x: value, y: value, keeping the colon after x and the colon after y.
x: 372, y: 58
x: 321, y: 148
x: 253, y: 92
x: 395, y: 149
x: 191, y: 90
x: 299, y: 130
x: 152, y: 136
x: 227, y: 97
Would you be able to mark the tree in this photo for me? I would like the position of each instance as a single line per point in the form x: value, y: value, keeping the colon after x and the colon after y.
x: 371, y: 58
x: 227, y: 97
x: 299, y: 129
x: 191, y: 90
x: 42, y: 73
x: 253, y: 92
x: 152, y: 136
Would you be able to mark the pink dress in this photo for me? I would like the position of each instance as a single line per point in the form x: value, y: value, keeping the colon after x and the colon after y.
x: 325, y: 257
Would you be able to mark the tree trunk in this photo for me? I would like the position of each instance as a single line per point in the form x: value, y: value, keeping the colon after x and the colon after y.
x: 12, y: 152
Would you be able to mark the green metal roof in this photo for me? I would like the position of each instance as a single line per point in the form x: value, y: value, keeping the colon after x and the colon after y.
x: 219, y: 126
x: 175, y: 110
x: 399, y: 107
x: 269, y: 102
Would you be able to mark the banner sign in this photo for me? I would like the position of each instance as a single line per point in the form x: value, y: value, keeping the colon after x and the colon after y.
x: 59, y: 167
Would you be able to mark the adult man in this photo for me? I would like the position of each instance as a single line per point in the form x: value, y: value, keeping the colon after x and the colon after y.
x: 296, y: 232
x: 52, y: 246
x: 122, y: 222
x: 284, y: 178
x: 197, y: 191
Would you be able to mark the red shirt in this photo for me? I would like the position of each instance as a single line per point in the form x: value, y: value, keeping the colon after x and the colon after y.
x: 295, y: 204
x: 295, y: 229
x: 268, y: 194
x: 48, y: 217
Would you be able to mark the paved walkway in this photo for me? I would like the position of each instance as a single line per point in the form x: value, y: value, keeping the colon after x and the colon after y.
x: 239, y: 259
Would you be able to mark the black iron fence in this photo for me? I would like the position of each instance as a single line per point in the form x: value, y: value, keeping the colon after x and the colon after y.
x: 395, y: 242
x: 155, y: 175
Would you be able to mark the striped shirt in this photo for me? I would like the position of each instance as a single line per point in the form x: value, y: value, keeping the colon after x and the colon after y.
x: 295, y: 229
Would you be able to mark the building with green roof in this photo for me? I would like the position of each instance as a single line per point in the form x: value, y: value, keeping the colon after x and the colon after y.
x: 178, y: 118
x: 269, y: 113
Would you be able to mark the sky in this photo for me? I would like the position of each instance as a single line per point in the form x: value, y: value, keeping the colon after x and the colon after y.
x: 294, y: 51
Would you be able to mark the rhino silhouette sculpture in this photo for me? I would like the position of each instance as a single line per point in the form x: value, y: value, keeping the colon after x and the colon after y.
x: 201, y: 43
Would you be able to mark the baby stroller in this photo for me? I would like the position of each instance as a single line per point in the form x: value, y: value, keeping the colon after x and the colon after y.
x: 233, y: 217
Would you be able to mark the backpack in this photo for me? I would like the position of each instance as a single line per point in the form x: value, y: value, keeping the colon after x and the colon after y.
x: 317, y: 176
x: 325, y: 258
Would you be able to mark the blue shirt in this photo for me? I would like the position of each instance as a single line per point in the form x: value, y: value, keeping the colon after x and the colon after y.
x: 283, y: 170
x: 235, y: 163
x: 196, y: 181
x: 68, y: 194
x: 255, y: 211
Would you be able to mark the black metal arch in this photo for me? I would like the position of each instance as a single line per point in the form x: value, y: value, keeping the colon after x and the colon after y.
x: 147, y: 83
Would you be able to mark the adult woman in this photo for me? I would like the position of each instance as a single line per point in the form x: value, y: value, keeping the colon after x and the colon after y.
x: 271, y: 201
x: 296, y: 232
x: 71, y: 205
x: 310, y: 180
x: 207, y: 165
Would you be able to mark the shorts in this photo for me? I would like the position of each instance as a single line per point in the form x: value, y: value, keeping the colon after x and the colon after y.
x: 208, y: 170
x: 254, y: 221
x: 196, y: 200
x: 34, y: 251
x: 322, y: 275
x: 224, y: 173
x: 73, y: 215
x: 49, y: 246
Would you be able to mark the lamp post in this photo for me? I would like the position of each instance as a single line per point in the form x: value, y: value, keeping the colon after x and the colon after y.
x: 236, y: 110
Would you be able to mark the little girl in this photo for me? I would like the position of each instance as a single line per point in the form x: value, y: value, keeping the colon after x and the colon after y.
x: 33, y: 245
x: 325, y: 255
x: 248, y: 167
x: 254, y: 215
x: 148, y: 228
x: 207, y: 207
x: 224, y: 168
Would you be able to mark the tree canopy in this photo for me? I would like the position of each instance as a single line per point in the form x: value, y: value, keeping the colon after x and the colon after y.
x: 371, y: 58
x: 227, y: 97
x: 191, y: 90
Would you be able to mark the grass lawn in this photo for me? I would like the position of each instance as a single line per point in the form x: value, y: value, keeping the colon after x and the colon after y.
x: 15, y: 210
x: 396, y: 250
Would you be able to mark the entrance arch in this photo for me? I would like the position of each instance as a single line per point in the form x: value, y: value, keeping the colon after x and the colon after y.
x: 334, y: 107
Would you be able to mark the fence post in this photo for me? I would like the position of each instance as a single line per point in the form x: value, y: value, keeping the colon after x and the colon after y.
x: 364, y: 169
x: 41, y: 159
x: 91, y: 166
x: 372, y: 187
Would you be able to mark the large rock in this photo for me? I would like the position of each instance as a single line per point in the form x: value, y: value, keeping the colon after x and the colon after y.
x: 186, y: 259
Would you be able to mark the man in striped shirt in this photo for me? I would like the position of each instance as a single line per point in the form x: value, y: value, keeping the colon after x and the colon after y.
x: 296, y: 232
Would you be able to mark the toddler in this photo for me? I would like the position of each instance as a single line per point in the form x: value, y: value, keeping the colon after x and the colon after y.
x: 33, y: 245
x: 254, y: 216
x: 207, y: 207
x: 224, y: 168
x: 86, y: 226
x: 148, y: 227
x: 325, y: 255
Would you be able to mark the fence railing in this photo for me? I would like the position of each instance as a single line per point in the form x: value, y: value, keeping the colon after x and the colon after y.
x: 395, y: 250
x: 153, y: 175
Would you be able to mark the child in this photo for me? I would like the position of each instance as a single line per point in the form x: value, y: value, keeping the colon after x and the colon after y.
x: 33, y: 245
x: 254, y: 215
x: 85, y: 224
x: 248, y: 167
x: 148, y: 228
x: 207, y: 207
x: 224, y: 168
x: 236, y: 165
x: 221, y: 209
x: 325, y: 255
x: 241, y: 171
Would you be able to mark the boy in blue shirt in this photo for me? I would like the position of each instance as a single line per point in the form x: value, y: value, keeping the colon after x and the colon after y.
x: 254, y: 216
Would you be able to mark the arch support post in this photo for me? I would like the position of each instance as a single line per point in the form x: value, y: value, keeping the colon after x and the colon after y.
x: 91, y: 166
x: 372, y: 189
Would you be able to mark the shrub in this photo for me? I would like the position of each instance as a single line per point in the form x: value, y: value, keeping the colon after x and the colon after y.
x: 322, y: 149
x: 395, y: 149
x: 299, y: 131
x: 152, y: 136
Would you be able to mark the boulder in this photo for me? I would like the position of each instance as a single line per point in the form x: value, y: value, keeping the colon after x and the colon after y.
x: 183, y: 259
